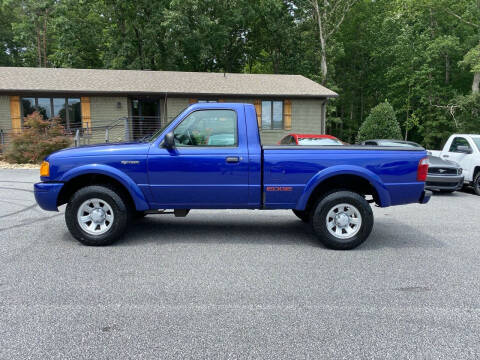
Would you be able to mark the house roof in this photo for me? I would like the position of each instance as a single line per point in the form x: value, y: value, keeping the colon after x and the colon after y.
x: 89, y: 81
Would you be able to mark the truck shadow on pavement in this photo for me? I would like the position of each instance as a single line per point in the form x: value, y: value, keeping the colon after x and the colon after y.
x: 165, y: 229
x: 228, y: 230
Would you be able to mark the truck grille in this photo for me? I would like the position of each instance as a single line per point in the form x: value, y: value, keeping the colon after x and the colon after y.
x: 442, y: 171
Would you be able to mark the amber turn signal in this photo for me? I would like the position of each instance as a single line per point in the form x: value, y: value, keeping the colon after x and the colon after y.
x: 45, y: 169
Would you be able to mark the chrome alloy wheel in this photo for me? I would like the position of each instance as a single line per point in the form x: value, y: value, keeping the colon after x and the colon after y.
x: 344, y: 221
x: 95, y: 216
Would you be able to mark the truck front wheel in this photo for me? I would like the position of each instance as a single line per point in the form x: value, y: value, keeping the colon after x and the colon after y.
x: 96, y: 215
x: 342, y: 220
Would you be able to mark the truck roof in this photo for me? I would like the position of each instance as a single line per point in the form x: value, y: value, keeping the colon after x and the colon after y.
x: 471, y: 135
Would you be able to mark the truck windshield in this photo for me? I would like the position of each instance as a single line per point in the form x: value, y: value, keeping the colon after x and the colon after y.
x: 398, y: 143
x: 318, y: 141
x: 156, y: 133
x: 160, y: 130
x: 476, y: 140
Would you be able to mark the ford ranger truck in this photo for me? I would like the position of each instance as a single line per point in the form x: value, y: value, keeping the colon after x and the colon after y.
x: 211, y: 157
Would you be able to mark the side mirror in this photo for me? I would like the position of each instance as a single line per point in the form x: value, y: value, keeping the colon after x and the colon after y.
x: 169, y: 140
x: 464, y: 149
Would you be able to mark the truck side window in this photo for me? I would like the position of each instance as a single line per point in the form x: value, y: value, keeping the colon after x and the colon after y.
x: 207, y: 128
x: 458, y: 141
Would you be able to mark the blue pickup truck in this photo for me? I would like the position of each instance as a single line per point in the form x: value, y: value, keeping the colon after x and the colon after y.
x: 211, y: 157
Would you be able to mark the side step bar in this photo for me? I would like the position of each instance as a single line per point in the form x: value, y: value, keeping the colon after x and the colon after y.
x: 176, y: 212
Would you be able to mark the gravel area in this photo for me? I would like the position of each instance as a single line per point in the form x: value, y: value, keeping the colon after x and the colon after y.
x: 239, y: 284
x: 6, y: 165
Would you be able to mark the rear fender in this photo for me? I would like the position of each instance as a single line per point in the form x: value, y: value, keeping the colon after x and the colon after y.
x: 321, y: 176
x: 135, y: 192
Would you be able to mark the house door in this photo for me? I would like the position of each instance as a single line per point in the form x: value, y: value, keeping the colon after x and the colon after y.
x: 145, y: 117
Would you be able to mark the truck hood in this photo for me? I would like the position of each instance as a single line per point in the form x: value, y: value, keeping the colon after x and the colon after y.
x: 102, y: 150
x: 438, y: 162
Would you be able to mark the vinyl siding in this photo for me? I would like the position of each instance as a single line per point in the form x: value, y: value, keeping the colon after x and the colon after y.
x: 5, y: 121
x: 104, y: 112
x: 306, y: 118
x: 175, y: 107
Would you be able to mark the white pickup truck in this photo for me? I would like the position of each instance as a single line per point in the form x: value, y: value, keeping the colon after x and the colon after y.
x: 464, y: 149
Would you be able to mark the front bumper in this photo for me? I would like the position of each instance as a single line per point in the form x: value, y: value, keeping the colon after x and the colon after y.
x: 444, y: 182
x: 46, y: 194
x: 425, y: 197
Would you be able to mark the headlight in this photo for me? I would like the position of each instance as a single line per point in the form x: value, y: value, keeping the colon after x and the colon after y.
x: 45, y: 169
x: 459, y: 171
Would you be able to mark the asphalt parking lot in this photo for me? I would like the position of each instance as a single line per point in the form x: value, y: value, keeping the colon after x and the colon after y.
x: 239, y: 284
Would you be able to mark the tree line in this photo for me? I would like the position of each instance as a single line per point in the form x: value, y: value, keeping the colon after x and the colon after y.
x: 422, y: 56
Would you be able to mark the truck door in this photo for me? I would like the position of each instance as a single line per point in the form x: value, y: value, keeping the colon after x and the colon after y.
x: 460, y: 151
x: 208, y: 168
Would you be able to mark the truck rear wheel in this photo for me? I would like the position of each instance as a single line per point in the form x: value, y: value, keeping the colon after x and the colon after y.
x: 302, y: 215
x: 96, y: 215
x: 342, y: 220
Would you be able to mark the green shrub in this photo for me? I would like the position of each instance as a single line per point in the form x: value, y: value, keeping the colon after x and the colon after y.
x: 380, y: 124
x: 468, y: 113
x: 37, y: 139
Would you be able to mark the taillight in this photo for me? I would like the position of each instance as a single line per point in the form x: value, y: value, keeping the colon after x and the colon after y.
x: 422, y: 169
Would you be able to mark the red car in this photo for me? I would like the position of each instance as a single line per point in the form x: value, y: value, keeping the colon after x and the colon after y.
x: 309, y: 139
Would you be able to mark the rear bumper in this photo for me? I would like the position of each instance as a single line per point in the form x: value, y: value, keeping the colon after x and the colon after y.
x: 425, y: 197
x: 46, y: 194
x: 444, y: 182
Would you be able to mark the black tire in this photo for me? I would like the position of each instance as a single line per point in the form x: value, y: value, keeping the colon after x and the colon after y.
x: 326, y: 204
x: 118, y: 206
x: 447, y: 191
x: 476, y: 183
x: 302, y: 215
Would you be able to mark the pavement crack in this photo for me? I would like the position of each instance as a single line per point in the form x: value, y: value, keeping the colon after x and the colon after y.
x: 10, y: 188
x: 31, y: 222
x: 17, y: 182
x: 19, y: 211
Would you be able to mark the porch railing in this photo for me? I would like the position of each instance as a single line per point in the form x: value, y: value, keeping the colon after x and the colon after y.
x: 124, y: 129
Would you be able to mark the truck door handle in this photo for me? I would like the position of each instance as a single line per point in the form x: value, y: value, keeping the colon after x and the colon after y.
x: 232, y: 159
x: 446, y: 155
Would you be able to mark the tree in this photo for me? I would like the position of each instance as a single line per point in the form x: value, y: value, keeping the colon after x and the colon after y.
x: 134, y: 35
x: 9, y: 48
x: 472, y: 61
x: 274, y: 41
x: 329, y: 16
x: 380, y: 124
x: 78, y: 34
x: 209, y: 35
x: 469, y: 14
x: 32, y: 29
x: 467, y: 113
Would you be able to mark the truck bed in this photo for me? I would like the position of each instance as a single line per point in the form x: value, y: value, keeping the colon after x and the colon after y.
x: 289, y: 171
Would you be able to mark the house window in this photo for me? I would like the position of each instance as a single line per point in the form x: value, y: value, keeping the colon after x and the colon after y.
x: 67, y: 109
x: 272, y: 115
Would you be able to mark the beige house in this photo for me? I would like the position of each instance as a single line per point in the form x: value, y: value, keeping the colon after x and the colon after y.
x: 132, y: 103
